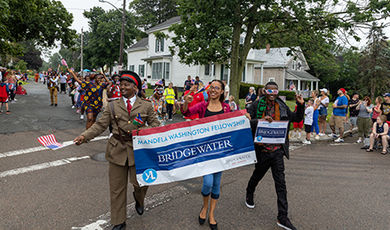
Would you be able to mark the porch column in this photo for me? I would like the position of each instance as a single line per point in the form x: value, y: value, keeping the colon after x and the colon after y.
x: 299, y: 85
x: 261, y: 75
x: 317, y: 85
x: 311, y: 86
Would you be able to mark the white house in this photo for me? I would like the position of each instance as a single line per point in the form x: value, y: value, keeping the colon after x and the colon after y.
x: 151, y: 59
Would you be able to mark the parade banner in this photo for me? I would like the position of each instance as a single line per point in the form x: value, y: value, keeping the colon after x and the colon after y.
x: 193, y: 148
x: 271, y: 133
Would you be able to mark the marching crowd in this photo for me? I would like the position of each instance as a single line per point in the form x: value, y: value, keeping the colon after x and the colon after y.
x: 91, y: 93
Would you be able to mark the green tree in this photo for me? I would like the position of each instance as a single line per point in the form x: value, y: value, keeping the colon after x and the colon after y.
x: 54, y: 61
x: 102, y: 45
x: 31, y: 55
x: 21, y: 65
x: 44, y: 21
x: 210, y: 31
x: 374, y: 66
x: 152, y: 12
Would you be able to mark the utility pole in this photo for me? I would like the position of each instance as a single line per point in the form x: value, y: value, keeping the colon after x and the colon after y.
x: 121, y: 45
x: 122, y: 34
x: 82, y: 44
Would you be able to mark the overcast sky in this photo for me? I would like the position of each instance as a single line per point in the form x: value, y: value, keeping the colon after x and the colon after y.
x: 77, y: 7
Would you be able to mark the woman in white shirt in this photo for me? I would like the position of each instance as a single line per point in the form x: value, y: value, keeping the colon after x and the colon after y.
x: 323, y: 111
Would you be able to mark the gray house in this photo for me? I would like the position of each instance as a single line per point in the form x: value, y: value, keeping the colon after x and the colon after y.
x: 287, y: 69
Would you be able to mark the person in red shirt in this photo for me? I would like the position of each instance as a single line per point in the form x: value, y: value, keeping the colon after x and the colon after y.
x: 114, y: 92
x: 198, y: 97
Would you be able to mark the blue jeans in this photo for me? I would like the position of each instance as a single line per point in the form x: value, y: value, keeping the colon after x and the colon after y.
x: 315, y: 122
x: 212, y: 184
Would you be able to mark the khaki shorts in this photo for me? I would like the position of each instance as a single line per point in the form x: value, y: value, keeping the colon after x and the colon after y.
x: 337, y: 121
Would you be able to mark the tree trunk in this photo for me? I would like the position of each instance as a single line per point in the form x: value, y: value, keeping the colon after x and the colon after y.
x: 235, y: 68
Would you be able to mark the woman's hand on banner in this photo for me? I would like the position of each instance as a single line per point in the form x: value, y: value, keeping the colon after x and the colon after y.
x: 248, y: 116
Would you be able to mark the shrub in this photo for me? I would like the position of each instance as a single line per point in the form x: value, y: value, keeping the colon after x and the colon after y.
x: 290, y: 95
x: 244, y: 89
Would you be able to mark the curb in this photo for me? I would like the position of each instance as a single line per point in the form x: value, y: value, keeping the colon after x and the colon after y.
x: 322, y: 139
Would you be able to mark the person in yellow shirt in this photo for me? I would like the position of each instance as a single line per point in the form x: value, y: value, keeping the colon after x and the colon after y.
x: 169, y: 94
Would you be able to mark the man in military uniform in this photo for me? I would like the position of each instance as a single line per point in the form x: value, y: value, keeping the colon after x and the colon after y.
x: 119, y: 153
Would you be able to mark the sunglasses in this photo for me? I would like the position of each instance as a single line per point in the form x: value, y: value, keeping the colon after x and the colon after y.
x: 216, y: 88
x: 271, y: 91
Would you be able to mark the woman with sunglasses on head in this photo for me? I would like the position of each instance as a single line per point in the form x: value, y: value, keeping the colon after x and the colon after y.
x: 211, y: 182
x: 159, y: 104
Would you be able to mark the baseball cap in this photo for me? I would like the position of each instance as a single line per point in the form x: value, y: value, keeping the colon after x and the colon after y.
x: 386, y: 95
x: 342, y: 90
x: 324, y: 90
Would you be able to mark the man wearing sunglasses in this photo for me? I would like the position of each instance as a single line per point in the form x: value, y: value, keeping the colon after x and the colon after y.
x: 271, y: 108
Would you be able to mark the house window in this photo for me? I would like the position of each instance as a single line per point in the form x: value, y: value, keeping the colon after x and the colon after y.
x: 294, y: 65
x: 207, y: 70
x: 141, y: 70
x: 213, y: 69
x: 299, y: 65
x: 131, y: 67
x: 224, y: 72
x: 160, y: 70
x: 166, y: 70
x: 159, y: 46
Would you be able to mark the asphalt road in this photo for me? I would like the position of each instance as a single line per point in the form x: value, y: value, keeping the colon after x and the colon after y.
x: 329, y: 186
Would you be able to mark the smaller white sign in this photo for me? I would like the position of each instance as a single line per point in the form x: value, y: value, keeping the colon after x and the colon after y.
x: 271, y: 132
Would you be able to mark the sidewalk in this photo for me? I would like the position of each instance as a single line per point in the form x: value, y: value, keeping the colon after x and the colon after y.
x: 295, y: 137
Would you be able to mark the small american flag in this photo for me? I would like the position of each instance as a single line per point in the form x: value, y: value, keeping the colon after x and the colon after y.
x: 50, y: 142
x: 160, y: 82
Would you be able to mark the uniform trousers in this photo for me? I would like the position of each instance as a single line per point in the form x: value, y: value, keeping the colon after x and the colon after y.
x: 53, y: 95
x: 118, y: 190
x: 275, y: 161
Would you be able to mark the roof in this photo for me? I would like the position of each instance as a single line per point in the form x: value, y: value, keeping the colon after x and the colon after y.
x: 277, y: 57
x: 300, y: 75
x: 141, y: 44
x: 157, y: 57
x: 164, y: 25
